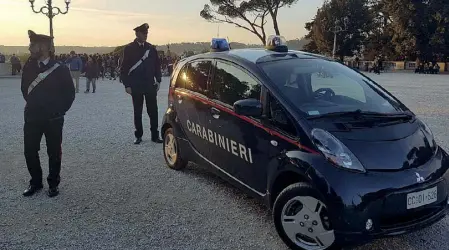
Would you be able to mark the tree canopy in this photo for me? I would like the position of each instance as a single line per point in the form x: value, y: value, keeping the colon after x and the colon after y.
x: 250, y: 15
x: 399, y: 29
x: 350, y: 17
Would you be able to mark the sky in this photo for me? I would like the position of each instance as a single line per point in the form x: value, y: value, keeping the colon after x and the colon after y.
x: 111, y: 22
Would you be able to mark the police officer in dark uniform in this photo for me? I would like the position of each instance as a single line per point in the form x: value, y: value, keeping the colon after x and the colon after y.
x: 141, y: 74
x: 48, y: 90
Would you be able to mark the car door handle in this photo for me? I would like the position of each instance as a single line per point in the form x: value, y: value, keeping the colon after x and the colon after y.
x: 215, y: 113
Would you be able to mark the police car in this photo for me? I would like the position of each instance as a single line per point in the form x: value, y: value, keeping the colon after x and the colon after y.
x: 337, y: 158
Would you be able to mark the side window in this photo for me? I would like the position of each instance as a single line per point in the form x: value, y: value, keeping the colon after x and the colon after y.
x: 182, y: 77
x: 340, y: 84
x: 278, y: 117
x: 232, y: 84
x: 194, y: 76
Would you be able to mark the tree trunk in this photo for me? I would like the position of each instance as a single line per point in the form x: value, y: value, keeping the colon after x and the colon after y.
x: 275, y: 25
x: 275, y: 22
x: 262, y: 36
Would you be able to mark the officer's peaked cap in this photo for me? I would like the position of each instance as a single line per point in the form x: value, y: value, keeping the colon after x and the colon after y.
x: 142, y: 28
x: 39, y: 37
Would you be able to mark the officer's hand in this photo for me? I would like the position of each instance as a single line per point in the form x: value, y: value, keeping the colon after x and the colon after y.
x: 128, y: 90
x: 158, y: 85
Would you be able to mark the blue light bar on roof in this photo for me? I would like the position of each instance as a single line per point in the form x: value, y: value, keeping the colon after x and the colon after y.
x: 277, y: 43
x: 219, y: 44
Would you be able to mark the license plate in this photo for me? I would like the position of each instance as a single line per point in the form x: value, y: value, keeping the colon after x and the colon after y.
x: 422, y: 198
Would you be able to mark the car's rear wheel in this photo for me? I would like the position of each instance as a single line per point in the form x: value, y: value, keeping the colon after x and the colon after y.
x: 301, y: 219
x: 171, y: 151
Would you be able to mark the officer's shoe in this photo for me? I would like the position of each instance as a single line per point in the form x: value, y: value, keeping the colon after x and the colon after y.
x: 138, y: 141
x: 156, y: 139
x: 53, y: 191
x: 32, y: 189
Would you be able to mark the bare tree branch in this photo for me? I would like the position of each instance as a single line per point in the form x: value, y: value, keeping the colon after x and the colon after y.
x: 228, y: 11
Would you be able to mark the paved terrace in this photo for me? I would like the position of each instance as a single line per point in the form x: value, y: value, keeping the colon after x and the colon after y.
x: 115, y: 195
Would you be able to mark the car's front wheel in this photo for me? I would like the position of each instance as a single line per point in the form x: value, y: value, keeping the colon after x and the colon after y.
x: 171, y: 151
x: 301, y: 219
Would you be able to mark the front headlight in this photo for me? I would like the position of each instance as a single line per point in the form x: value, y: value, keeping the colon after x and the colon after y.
x: 335, y: 151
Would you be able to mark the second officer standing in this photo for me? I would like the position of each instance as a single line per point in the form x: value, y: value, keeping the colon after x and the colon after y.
x: 141, y: 74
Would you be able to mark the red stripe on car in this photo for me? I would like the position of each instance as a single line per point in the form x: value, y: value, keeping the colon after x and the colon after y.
x: 247, y: 119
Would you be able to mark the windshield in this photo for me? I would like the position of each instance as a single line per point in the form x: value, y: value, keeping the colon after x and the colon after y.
x: 319, y: 87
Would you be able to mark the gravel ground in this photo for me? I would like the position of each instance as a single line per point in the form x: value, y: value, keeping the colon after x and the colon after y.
x: 115, y: 195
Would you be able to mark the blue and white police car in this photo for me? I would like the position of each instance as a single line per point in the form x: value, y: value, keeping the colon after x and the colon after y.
x: 337, y: 158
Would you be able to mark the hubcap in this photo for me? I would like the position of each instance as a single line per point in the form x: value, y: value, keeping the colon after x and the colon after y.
x: 171, y: 150
x: 302, y: 222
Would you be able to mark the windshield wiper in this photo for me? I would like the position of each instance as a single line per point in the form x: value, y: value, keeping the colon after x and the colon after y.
x: 357, y: 114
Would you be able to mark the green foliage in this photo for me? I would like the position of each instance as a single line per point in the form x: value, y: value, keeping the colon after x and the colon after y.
x: 119, y: 49
x: 352, y: 16
x: 23, y: 58
x: 419, y: 28
x: 398, y: 29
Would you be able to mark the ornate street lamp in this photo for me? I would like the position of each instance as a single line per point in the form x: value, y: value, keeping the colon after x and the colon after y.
x: 50, y: 11
x: 337, y: 28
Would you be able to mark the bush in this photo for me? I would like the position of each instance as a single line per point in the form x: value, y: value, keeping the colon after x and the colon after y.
x: 23, y: 58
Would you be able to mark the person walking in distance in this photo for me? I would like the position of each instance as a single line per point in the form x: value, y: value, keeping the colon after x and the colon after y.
x: 92, y: 72
x: 48, y: 90
x: 76, y: 66
x: 141, y: 75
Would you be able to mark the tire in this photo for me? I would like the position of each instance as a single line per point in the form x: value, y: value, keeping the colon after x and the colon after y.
x: 292, y: 199
x: 176, y: 163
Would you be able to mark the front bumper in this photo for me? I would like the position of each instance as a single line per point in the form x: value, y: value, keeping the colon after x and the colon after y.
x: 381, y: 197
x: 387, y: 224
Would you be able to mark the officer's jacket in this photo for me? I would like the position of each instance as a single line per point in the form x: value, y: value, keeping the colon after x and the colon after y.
x: 142, y: 78
x: 52, y: 97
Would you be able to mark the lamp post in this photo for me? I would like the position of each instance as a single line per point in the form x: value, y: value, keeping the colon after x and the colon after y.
x: 337, y: 29
x: 50, y: 11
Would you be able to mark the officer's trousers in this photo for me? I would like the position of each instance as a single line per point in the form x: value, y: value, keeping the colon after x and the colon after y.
x: 152, y: 110
x: 33, y: 131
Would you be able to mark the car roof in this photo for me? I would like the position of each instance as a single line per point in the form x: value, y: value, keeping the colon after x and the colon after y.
x: 256, y: 55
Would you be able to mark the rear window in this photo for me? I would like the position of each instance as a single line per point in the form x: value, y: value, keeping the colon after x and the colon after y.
x: 317, y: 87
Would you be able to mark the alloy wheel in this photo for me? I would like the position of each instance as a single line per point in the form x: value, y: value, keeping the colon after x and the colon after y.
x: 306, y: 223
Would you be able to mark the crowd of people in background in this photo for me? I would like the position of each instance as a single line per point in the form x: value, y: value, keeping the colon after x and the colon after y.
x: 378, y: 64
x: 427, y: 68
x: 107, y: 64
x: 95, y: 66
x: 16, y: 65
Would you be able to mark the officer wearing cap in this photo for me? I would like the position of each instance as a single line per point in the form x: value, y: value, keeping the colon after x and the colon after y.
x: 141, y: 74
x: 48, y: 90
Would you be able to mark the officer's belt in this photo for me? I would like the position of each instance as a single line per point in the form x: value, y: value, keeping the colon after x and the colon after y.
x: 145, y: 56
x: 42, y: 77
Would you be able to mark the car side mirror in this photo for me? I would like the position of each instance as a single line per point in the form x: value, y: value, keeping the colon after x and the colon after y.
x: 248, y: 107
